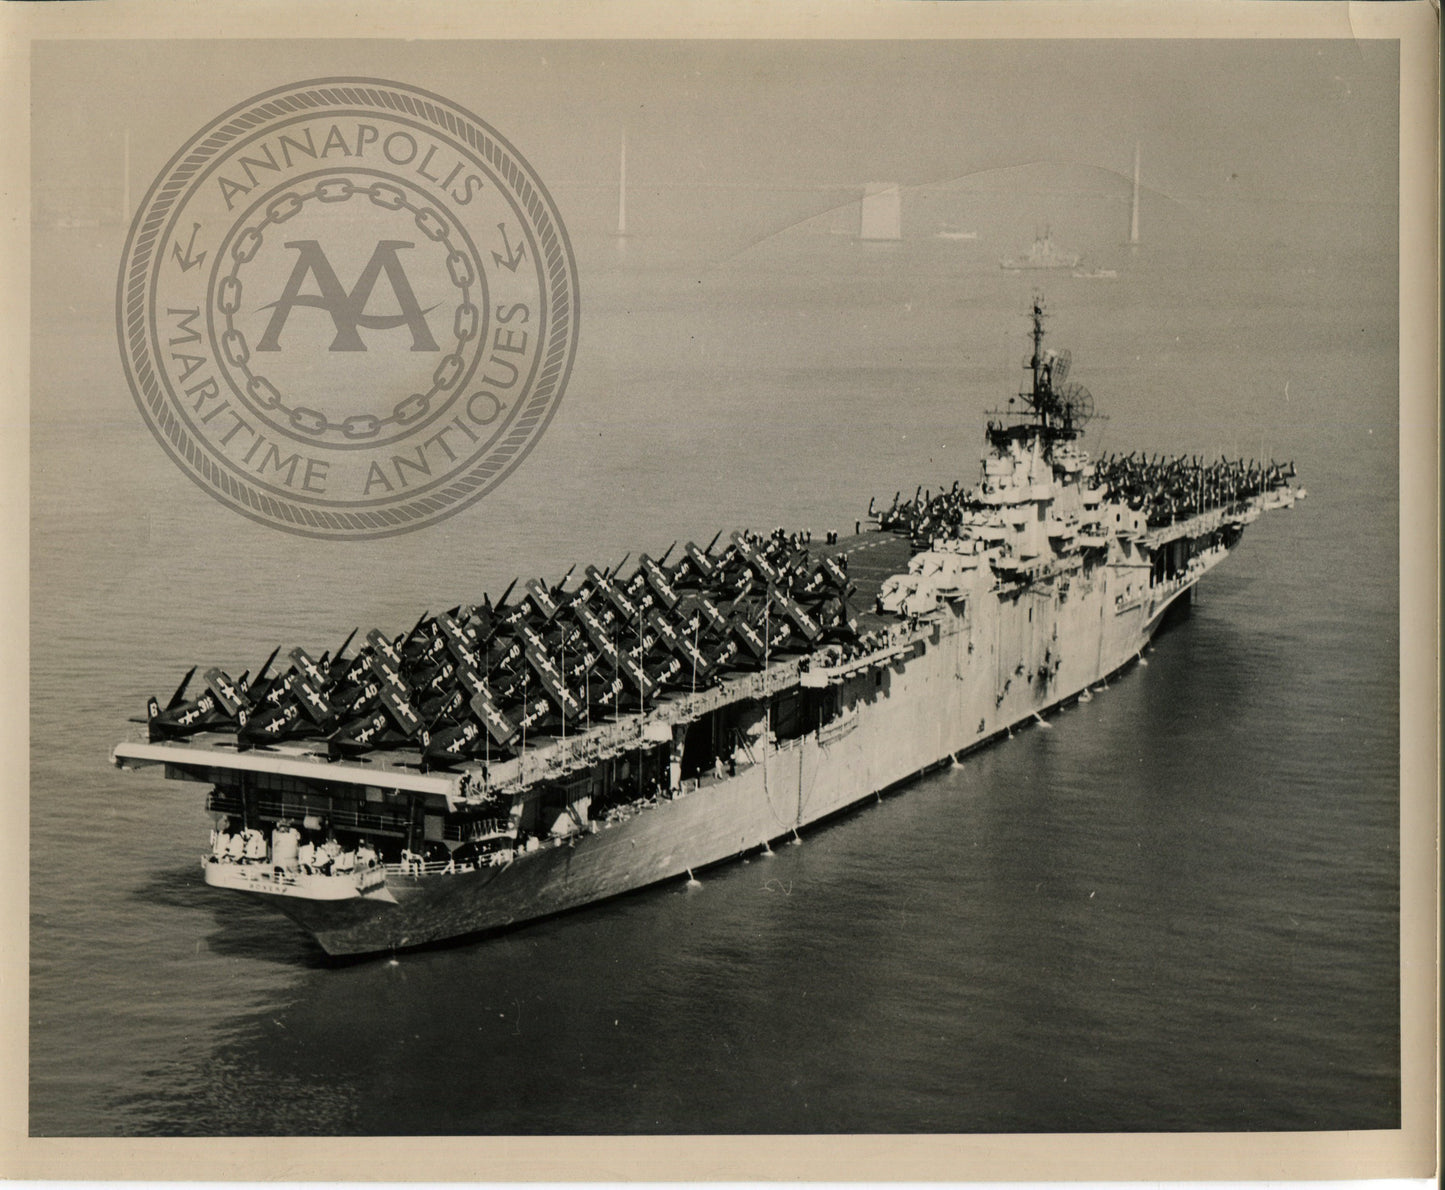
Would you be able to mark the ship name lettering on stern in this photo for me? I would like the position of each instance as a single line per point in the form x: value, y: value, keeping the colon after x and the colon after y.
x: 359, y: 313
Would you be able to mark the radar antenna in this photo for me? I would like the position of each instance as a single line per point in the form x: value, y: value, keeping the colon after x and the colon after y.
x: 1076, y: 404
x: 1060, y: 361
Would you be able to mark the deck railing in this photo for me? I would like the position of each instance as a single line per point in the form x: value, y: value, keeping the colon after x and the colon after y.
x: 492, y: 859
x: 478, y: 828
x: 377, y: 819
x: 264, y: 872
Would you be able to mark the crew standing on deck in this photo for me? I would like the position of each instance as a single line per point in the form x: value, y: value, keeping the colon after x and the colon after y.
x: 285, y: 840
x: 255, y: 845
x: 221, y: 839
x: 235, y: 847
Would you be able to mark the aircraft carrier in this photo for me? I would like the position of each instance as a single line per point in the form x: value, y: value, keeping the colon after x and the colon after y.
x: 512, y: 759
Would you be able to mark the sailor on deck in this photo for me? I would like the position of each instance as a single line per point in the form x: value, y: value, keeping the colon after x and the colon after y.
x: 255, y: 844
x: 285, y: 840
x: 236, y: 847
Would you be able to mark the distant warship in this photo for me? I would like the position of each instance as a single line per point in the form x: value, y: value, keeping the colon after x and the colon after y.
x: 1043, y: 255
x: 510, y: 759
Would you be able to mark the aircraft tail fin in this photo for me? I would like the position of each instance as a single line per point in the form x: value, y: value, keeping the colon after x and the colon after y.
x: 415, y: 628
x: 180, y: 695
x: 266, y: 666
x: 344, y: 645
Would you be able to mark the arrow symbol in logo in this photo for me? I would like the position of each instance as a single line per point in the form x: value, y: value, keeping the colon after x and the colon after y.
x: 186, y: 260
x: 513, y: 257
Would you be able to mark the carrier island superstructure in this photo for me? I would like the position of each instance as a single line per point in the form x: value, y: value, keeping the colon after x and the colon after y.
x: 509, y: 760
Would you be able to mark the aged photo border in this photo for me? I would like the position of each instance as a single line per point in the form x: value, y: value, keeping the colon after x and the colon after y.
x: 1407, y: 1152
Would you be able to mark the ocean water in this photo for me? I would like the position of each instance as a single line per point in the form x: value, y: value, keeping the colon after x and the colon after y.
x: 1176, y: 908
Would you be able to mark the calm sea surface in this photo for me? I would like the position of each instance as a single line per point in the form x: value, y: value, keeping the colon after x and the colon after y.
x: 1175, y: 909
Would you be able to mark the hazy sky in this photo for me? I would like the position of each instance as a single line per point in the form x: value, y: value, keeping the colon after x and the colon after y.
x: 1262, y: 122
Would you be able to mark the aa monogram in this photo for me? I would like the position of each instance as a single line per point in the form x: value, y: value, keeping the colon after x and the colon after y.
x: 347, y: 310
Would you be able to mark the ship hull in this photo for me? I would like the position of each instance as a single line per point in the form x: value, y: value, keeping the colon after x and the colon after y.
x: 985, y: 669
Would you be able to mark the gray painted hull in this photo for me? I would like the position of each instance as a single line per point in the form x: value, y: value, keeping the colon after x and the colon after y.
x: 986, y: 668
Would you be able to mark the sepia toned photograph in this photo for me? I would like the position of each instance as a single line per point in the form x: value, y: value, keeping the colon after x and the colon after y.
x: 739, y: 587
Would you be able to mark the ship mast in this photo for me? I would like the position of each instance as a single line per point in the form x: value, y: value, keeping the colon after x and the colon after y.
x: 1041, y: 399
x: 1037, y: 362
x: 1053, y: 410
